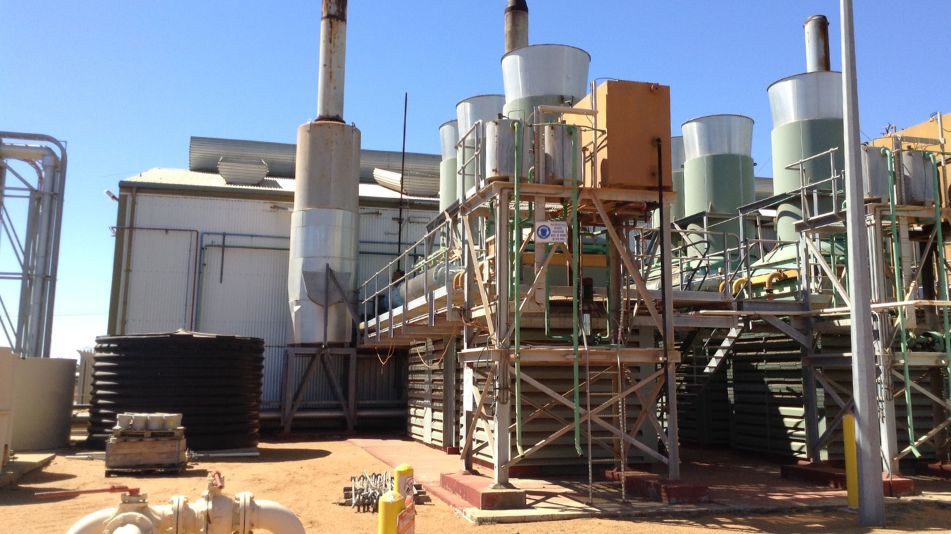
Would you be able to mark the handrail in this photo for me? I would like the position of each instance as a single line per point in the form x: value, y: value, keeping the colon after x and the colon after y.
x: 430, y: 261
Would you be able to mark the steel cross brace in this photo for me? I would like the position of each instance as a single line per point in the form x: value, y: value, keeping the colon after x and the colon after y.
x: 592, y: 414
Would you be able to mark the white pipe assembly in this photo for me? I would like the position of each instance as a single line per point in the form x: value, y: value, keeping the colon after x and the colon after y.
x: 213, y: 513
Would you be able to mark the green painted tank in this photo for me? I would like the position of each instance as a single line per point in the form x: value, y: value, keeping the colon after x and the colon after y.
x: 807, y: 120
x: 718, y: 174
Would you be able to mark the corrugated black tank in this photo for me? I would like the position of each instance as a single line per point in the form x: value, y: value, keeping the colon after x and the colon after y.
x: 214, y: 381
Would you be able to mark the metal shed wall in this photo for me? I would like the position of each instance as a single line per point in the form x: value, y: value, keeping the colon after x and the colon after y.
x: 220, y: 265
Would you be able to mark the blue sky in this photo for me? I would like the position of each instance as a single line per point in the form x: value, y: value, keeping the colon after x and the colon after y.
x: 126, y: 83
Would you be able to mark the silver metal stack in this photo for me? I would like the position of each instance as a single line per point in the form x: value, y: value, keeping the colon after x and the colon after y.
x: 325, y: 221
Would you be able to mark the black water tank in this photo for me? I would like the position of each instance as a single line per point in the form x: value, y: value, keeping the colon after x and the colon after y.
x: 214, y: 381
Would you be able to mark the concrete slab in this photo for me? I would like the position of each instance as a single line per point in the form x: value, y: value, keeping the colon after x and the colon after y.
x: 736, y: 483
x: 653, y: 487
x: 477, y: 491
x: 22, y: 464
x: 824, y: 474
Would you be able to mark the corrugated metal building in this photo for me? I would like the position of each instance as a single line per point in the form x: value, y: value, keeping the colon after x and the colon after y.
x: 197, y: 251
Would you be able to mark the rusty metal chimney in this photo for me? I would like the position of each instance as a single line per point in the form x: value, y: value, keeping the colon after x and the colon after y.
x: 333, y: 52
x: 516, y: 25
x: 817, y: 43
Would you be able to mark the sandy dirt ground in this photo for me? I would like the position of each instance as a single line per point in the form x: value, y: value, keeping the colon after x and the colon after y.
x: 308, y: 477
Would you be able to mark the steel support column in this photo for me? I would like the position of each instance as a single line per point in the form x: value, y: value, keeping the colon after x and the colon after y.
x: 868, y: 440
x: 503, y: 399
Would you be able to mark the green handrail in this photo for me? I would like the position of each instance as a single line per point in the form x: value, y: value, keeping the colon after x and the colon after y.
x: 942, y: 274
x: 575, y: 276
x: 899, y: 295
x: 518, y: 285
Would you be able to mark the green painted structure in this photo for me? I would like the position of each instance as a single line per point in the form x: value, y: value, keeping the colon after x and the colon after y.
x: 719, y: 184
x: 796, y: 141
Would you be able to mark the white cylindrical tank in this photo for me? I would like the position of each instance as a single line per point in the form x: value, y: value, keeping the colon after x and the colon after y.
x: 875, y: 171
x: 545, y: 70
x: 324, y: 230
x: 805, y: 97
x: 718, y: 134
x: 448, y: 138
x: 478, y: 108
x: 500, y: 149
x: 471, y: 155
x: 916, y: 178
x: 562, y: 156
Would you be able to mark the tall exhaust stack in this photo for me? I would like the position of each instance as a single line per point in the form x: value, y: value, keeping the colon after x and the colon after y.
x: 325, y: 221
x: 516, y: 25
x: 816, y: 29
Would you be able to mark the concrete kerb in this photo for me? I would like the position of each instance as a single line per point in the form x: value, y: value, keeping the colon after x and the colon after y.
x: 649, y: 510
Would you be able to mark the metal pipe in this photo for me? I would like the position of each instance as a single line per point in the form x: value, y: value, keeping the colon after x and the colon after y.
x: 516, y: 25
x: 871, y: 498
x: 519, y: 149
x: 399, y: 222
x: 564, y: 110
x: 333, y: 49
x: 816, y: 29
x: 93, y: 523
x: 38, y: 289
x: 273, y: 517
x: 944, y: 157
x: 575, y: 278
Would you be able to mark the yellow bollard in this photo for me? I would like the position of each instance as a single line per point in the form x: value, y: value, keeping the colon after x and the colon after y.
x: 851, y: 465
x: 393, y: 519
x: 389, y: 507
x: 403, y: 480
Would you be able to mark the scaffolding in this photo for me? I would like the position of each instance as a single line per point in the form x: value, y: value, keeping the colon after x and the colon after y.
x: 552, y: 360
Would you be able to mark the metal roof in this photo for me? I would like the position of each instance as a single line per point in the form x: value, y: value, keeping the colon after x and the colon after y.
x: 204, y: 153
x: 184, y: 179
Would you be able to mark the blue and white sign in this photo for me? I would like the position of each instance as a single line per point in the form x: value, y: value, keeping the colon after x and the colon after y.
x: 551, y: 232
